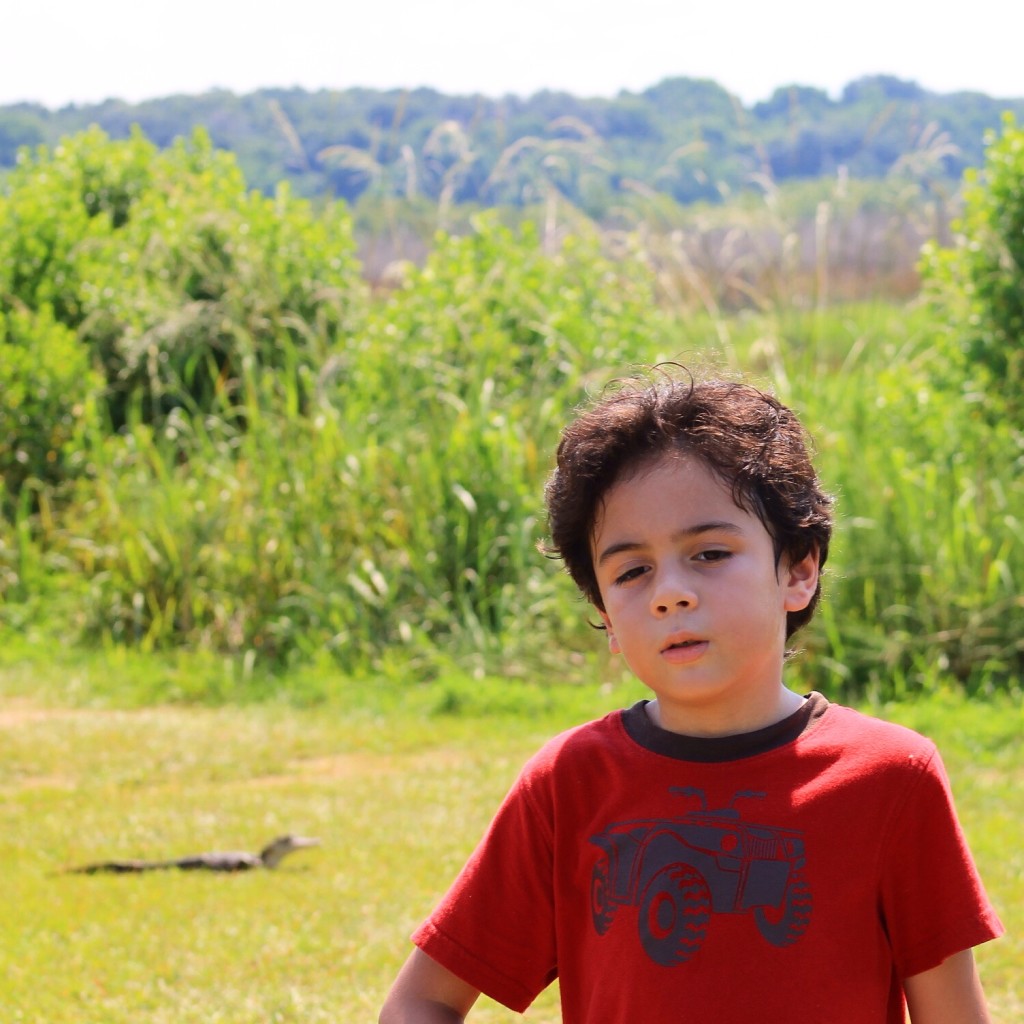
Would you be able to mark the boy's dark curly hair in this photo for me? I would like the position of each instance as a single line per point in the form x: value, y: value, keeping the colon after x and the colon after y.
x: 749, y: 439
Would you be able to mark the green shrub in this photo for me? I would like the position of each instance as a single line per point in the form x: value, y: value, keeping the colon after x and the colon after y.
x: 977, y: 286
x: 48, y: 394
x: 57, y: 208
x: 174, y: 276
x: 207, y: 282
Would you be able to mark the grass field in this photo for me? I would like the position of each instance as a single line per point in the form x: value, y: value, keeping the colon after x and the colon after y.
x: 396, y: 788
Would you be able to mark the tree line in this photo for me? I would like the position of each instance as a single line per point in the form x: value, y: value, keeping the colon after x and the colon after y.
x: 688, y: 139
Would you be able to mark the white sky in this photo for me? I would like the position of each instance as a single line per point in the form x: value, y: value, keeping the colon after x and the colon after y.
x: 81, y: 51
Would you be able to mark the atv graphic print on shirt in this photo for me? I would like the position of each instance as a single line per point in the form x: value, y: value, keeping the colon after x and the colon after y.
x: 680, y: 871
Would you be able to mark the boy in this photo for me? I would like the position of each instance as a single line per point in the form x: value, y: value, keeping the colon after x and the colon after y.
x: 727, y: 851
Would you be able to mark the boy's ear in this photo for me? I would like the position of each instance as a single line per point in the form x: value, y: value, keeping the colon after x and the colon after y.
x: 613, y: 643
x: 801, y: 582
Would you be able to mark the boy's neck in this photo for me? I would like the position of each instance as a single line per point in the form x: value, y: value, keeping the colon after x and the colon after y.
x: 716, y: 721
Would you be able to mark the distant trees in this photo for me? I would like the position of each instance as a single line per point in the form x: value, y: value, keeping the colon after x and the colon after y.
x: 346, y: 143
x: 22, y: 125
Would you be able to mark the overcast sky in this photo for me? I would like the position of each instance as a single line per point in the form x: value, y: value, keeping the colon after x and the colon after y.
x: 81, y: 51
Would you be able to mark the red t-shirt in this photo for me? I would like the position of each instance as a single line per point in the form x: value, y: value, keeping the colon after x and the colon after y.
x: 795, y: 874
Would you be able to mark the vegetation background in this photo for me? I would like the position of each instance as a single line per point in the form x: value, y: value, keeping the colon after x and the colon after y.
x: 274, y: 456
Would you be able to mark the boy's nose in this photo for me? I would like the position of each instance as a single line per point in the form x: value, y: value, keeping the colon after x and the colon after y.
x: 671, y: 594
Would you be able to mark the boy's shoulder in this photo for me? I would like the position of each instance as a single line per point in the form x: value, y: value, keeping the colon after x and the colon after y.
x: 850, y: 747
x: 580, y: 740
x: 582, y: 749
x: 876, y: 737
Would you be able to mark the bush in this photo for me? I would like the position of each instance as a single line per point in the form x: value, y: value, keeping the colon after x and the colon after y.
x: 175, y: 278
x: 57, y: 209
x: 977, y: 286
x: 48, y: 396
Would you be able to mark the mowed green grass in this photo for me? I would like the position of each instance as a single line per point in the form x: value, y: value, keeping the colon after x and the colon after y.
x: 397, y: 792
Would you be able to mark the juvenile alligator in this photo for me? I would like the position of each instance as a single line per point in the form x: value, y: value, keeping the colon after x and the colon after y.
x: 229, y: 860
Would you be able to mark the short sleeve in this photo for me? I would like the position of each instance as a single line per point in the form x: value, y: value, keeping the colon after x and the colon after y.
x: 495, y: 927
x: 933, y: 900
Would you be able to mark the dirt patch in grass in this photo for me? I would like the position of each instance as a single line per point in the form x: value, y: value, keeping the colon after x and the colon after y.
x: 361, y: 764
x: 17, y: 711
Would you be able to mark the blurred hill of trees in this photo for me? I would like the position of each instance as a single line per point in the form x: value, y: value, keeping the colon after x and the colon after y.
x: 685, y: 138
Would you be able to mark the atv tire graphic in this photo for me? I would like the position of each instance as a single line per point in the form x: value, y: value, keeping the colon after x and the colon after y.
x: 674, y: 914
x: 783, y: 925
x: 602, y: 908
x: 678, y: 872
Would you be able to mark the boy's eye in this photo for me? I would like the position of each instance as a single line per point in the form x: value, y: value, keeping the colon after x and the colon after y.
x: 631, y: 574
x: 713, y: 555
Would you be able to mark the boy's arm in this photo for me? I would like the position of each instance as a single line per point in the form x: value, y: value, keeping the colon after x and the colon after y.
x: 947, y: 994
x: 427, y: 993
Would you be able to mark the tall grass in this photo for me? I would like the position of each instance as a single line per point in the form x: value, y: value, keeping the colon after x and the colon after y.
x: 382, y: 508
x: 928, y: 565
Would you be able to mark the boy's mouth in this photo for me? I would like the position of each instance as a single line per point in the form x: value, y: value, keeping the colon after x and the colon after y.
x: 682, y: 644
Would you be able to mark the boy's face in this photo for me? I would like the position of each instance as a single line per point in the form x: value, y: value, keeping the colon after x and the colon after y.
x: 692, y: 596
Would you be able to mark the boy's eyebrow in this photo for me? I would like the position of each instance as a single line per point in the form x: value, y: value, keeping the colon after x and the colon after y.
x: 715, y: 526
